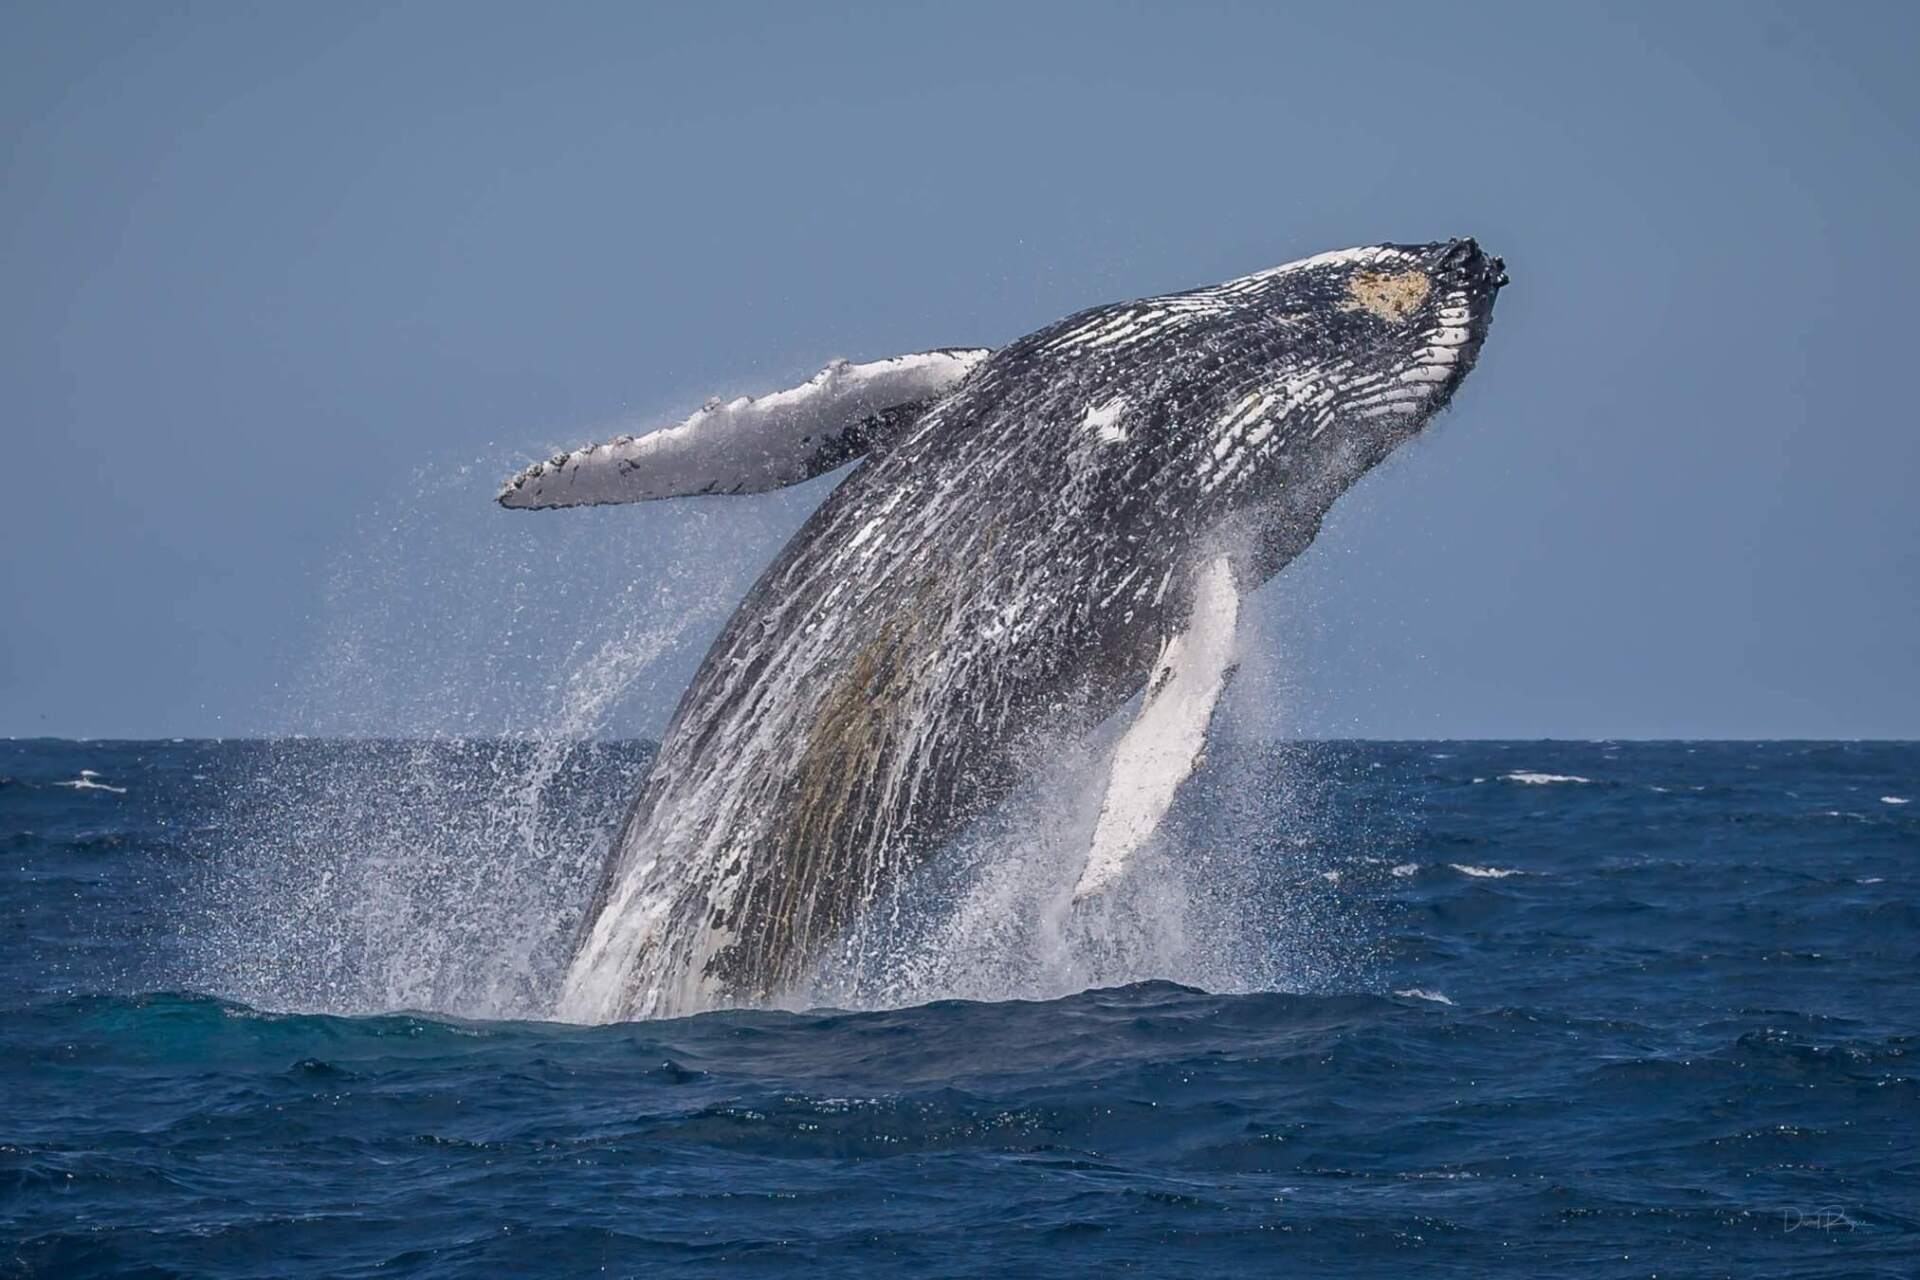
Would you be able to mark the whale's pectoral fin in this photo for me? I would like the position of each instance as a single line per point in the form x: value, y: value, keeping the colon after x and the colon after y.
x: 1168, y: 737
x: 750, y: 445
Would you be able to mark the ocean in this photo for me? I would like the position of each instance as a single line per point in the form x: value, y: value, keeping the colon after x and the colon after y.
x: 1609, y: 1009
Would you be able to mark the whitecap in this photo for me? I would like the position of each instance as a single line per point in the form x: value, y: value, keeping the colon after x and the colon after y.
x: 1533, y: 779
x: 1415, y: 993
x: 1406, y: 869
x: 1894, y: 800
x: 85, y: 782
x: 1483, y: 873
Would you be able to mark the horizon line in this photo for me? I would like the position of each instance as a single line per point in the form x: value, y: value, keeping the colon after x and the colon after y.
x: 185, y: 739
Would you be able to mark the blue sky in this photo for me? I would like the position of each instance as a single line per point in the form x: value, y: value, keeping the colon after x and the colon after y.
x: 286, y: 290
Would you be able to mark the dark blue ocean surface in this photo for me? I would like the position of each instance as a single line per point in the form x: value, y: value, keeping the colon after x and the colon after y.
x: 1610, y: 1009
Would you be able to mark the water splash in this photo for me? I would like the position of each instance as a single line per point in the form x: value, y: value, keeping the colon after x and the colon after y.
x: 427, y: 828
x: 1224, y: 897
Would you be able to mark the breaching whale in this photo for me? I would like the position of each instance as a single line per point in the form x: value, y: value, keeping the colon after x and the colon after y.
x: 1036, y: 535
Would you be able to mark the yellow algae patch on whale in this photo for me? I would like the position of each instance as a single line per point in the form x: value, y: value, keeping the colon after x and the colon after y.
x: 1393, y: 296
x: 833, y: 791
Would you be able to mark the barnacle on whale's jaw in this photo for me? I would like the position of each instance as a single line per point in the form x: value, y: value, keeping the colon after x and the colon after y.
x: 1392, y: 296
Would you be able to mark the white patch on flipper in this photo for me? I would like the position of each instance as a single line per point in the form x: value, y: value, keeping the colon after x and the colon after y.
x: 745, y: 445
x: 1163, y: 745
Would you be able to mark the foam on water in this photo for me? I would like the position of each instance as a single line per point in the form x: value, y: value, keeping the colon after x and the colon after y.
x: 89, y: 780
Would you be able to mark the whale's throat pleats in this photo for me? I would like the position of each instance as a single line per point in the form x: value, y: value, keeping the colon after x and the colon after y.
x: 833, y: 798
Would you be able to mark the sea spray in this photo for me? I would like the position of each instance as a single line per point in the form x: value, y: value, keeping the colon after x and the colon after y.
x: 429, y: 822
x: 1223, y: 898
x: 430, y: 827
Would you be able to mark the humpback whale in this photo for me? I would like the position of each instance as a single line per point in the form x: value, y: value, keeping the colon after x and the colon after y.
x: 1036, y: 536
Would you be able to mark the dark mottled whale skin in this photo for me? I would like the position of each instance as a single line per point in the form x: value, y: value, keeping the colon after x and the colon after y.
x: 1008, y: 562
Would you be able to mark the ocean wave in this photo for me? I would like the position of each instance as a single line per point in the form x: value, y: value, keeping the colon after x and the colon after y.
x: 1532, y: 779
x: 1634, y: 1061
x: 1485, y: 873
x: 90, y: 781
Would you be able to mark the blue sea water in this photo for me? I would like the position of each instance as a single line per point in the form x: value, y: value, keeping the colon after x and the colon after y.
x: 1614, y: 1009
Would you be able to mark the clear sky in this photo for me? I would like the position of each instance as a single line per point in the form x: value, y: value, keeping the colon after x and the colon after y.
x: 285, y: 290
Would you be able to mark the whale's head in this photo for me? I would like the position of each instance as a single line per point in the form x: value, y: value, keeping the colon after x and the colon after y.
x: 1276, y: 391
x: 1330, y: 363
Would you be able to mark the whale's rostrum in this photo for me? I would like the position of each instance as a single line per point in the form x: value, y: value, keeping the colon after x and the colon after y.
x: 1036, y: 535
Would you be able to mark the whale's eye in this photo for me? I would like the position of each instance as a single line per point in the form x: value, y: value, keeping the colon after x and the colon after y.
x: 1393, y: 296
